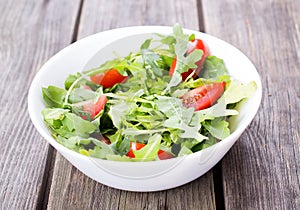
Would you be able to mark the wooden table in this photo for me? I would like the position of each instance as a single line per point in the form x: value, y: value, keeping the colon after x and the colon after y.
x: 260, y: 172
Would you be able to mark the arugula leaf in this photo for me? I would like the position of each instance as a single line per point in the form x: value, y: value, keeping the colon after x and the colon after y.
x: 217, y: 110
x: 78, y: 125
x: 191, y: 83
x: 179, y: 117
x: 51, y: 114
x: 167, y: 40
x: 184, y: 62
x: 116, y: 112
x: 70, y: 124
x: 81, y: 81
x: 119, y: 158
x: 101, y: 150
x: 71, y: 143
x: 214, y: 67
x: 80, y: 94
x: 149, y: 152
x: 237, y: 91
x: 146, y: 44
x: 205, y: 144
x: 217, y: 128
x: 54, y: 96
x: 151, y: 59
x: 184, y: 151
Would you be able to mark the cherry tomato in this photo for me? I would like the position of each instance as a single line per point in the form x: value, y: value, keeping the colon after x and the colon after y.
x: 94, y: 108
x: 193, y: 45
x: 109, y: 78
x: 99, y: 106
x: 134, y: 146
x: 204, y: 96
x: 162, y: 155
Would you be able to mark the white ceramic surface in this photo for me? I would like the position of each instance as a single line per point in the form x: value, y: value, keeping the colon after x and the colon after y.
x: 139, y: 176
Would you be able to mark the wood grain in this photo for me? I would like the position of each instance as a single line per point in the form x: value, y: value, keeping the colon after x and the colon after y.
x: 262, y: 170
x: 30, y: 33
x: 70, y: 188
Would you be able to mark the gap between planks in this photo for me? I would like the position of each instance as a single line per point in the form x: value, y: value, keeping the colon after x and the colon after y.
x: 44, y: 193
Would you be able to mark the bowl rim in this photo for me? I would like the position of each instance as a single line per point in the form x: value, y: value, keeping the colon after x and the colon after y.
x: 131, y: 31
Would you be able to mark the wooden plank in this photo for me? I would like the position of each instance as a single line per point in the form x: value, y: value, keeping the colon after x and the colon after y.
x: 262, y: 169
x: 198, y: 194
x: 101, y: 15
x: 31, y: 32
x: 70, y: 188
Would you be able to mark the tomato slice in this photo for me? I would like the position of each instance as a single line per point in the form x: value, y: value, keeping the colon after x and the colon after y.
x: 134, y: 146
x: 94, y: 108
x: 99, y: 106
x: 193, y: 45
x: 204, y: 96
x: 109, y: 78
x: 162, y: 155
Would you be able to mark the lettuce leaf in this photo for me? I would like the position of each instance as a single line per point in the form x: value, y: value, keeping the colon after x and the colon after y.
x: 67, y: 124
x: 214, y: 67
x: 217, y: 128
x: 238, y: 91
x: 179, y: 117
x: 54, y: 96
x: 184, y: 62
x: 149, y: 152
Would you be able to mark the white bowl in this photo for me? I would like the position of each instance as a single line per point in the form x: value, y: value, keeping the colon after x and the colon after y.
x: 140, y: 176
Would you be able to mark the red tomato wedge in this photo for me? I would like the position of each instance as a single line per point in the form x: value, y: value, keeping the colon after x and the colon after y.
x: 195, y: 44
x: 134, y: 146
x: 94, y: 108
x: 109, y: 78
x: 162, y: 155
x: 204, y: 96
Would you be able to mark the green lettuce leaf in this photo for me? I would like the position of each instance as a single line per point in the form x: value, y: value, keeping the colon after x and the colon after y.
x: 217, y: 128
x: 149, y: 152
x: 120, y: 158
x: 214, y: 67
x: 67, y: 124
x: 184, y: 151
x: 101, y: 150
x: 238, y: 91
x: 184, y: 62
x: 80, y: 94
x: 179, y: 117
x: 54, y: 96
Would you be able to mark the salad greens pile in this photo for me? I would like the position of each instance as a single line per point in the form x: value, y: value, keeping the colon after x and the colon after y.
x: 147, y: 107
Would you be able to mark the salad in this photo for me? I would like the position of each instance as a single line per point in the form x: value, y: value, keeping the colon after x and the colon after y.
x: 170, y: 98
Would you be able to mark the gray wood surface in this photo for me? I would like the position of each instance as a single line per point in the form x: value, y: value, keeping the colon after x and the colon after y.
x: 262, y: 170
x: 30, y: 33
